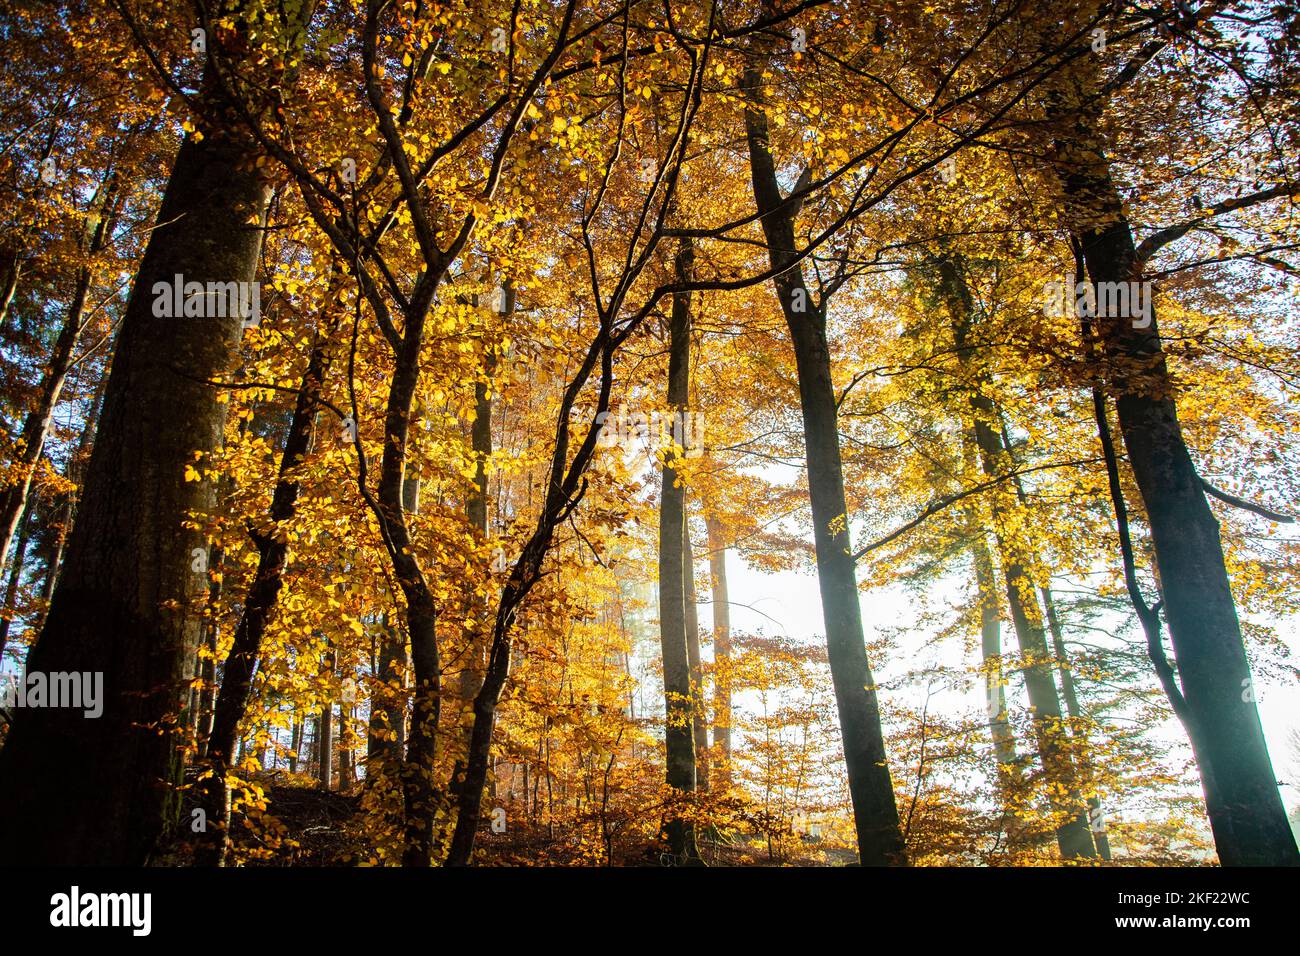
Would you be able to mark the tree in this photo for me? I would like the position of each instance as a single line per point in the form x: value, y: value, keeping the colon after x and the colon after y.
x: 124, y: 603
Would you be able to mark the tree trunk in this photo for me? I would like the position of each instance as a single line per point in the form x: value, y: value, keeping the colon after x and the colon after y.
x: 1074, y: 708
x: 1241, y: 794
x: 418, y: 793
x: 295, y: 741
x: 387, y: 734
x: 1004, y: 741
x: 347, y: 748
x: 259, y: 607
x: 325, y: 747
x: 16, y: 574
x: 1073, y: 836
x: 679, y: 737
x: 721, y: 654
x: 125, y: 602
x: 68, y: 510
x: 36, y: 427
x: 875, y: 811
x: 11, y: 267
x: 478, y: 622
x: 699, y: 714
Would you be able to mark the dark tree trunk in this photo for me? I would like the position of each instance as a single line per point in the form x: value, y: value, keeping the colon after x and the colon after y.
x: 387, y: 734
x: 875, y: 810
x: 478, y: 622
x: 325, y: 747
x: 203, y: 698
x: 11, y: 267
x: 68, y: 510
x: 679, y: 739
x: 418, y: 791
x: 36, y: 426
x: 259, y: 607
x: 347, y: 747
x: 1241, y: 794
x: 295, y: 741
x: 125, y: 602
x: 8, y: 611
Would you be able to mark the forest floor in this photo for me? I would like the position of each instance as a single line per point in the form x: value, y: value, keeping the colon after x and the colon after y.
x: 302, y: 825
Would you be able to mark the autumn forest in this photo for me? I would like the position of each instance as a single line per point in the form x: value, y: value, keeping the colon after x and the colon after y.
x: 649, y: 433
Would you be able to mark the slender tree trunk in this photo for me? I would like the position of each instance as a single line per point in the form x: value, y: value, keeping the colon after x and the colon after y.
x: 62, y: 522
x: 478, y: 622
x: 1073, y: 835
x: 36, y: 427
x: 68, y: 511
x: 259, y: 607
x: 419, y: 795
x: 347, y: 748
x: 699, y: 713
x: 471, y: 675
x: 295, y: 740
x: 721, y: 654
x: 11, y: 267
x: 16, y: 573
x: 1074, y: 708
x: 204, y: 700
x: 875, y: 811
x: 679, y: 739
x: 1004, y: 741
x: 325, y: 747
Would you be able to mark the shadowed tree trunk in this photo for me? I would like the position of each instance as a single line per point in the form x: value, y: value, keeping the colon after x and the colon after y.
x: 68, y: 506
x: 387, y: 735
x: 295, y: 740
x: 325, y: 747
x: 875, y: 811
x: 272, y: 544
x: 16, y: 573
x: 478, y: 622
x: 125, y: 604
x: 1214, y: 680
x: 13, y: 499
x: 347, y: 747
x: 679, y: 734
x: 419, y: 796
x: 1073, y: 835
x: 11, y: 268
